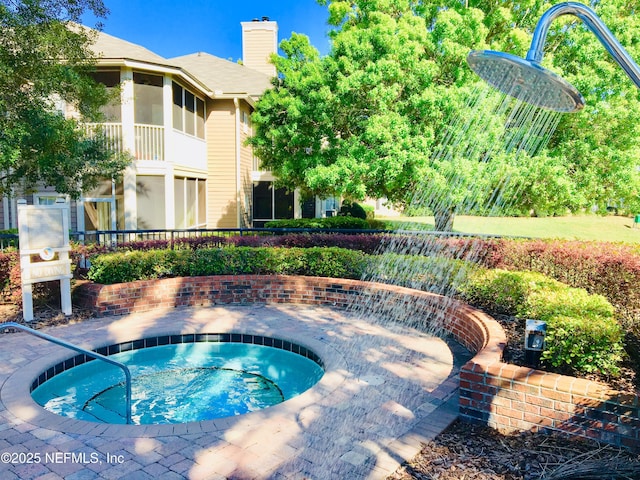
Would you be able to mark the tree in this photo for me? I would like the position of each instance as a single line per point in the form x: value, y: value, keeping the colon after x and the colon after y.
x: 373, y: 117
x: 45, y: 58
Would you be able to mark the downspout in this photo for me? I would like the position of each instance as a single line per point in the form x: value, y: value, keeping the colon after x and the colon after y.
x: 236, y: 103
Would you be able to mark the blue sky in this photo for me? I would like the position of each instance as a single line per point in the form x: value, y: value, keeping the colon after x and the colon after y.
x: 170, y: 28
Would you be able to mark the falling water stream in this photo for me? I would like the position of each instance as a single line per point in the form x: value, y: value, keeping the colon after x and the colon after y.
x: 489, y: 126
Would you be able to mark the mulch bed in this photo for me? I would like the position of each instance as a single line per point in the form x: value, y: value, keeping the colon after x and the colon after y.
x: 473, y: 452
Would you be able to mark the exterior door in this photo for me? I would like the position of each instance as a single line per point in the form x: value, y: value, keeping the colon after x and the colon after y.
x: 99, y: 214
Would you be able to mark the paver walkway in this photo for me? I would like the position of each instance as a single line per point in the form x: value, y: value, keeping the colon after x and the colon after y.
x: 384, y: 391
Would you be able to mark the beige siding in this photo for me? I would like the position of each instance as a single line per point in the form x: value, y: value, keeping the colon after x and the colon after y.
x: 221, y: 165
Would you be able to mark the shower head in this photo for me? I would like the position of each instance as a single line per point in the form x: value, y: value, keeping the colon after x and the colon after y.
x: 525, y: 80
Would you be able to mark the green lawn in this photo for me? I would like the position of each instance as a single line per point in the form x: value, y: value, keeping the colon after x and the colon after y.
x: 587, y: 227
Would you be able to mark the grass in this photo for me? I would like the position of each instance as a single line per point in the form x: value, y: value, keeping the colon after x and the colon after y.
x: 608, y: 228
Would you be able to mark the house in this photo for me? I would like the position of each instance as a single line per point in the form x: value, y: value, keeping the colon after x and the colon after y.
x: 185, y: 121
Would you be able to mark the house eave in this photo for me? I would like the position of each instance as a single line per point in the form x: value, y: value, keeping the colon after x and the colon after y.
x: 250, y: 99
x: 156, y: 67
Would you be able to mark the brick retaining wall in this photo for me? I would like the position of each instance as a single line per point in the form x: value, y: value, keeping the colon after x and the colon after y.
x: 506, y: 397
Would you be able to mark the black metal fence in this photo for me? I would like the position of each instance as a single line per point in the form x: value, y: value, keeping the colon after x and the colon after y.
x: 118, y: 237
x: 114, y: 238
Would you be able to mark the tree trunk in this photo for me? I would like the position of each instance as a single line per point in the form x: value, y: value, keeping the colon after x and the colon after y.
x: 444, y: 219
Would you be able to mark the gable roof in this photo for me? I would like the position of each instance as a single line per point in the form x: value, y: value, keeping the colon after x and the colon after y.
x: 109, y: 47
x: 224, y: 76
x: 219, y: 77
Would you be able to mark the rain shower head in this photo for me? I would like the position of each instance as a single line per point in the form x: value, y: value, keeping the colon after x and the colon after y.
x: 526, y: 80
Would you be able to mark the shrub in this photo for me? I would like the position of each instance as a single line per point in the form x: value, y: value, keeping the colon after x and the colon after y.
x: 369, y: 211
x: 338, y: 223
x: 120, y: 267
x: 367, y: 243
x: 354, y: 209
x: 328, y: 262
x: 608, y: 269
x: 591, y: 345
x: 334, y: 262
x: 10, y: 280
x: 582, y: 333
x: 500, y: 291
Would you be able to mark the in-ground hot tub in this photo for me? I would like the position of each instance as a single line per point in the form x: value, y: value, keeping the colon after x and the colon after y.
x: 180, y: 378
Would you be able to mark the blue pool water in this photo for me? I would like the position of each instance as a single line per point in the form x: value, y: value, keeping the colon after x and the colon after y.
x: 180, y: 383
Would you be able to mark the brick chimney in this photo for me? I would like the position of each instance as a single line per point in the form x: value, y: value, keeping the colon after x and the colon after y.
x: 259, y: 41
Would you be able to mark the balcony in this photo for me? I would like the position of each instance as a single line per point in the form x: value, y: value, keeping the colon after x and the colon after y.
x: 148, y: 139
x: 111, y: 134
x: 149, y: 142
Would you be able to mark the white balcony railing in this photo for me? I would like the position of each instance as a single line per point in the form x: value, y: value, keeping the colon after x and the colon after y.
x: 149, y: 139
x: 110, y: 132
x: 149, y: 142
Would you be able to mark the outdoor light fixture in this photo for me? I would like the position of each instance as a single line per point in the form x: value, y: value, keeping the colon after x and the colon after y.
x: 535, y: 332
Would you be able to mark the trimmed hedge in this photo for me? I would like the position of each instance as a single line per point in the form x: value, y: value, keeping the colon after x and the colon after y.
x: 338, y: 222
x: 582, y: 333
x: 582, y: 337
x: 367, y: 243
x: 122, y: 267
x: 354, y: 209
x: 608, y: 269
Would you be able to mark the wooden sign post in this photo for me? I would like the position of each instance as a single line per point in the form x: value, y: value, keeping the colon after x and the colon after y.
x: 44, y: 251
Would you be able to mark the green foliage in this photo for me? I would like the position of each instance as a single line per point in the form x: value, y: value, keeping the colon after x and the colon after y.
x: 354, y: 209
x: 43, y: 58
x: 608, y: 269
x: 339, y: 222
x: 121, y: 267
x: 582, y: 333
x: 144, y: 265
x: 506, y: 292
x: 369, y: 211
x: 373, y: 116
x: 574, y: 344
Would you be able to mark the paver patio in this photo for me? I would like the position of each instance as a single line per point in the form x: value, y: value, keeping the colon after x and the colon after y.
x: 385, y: 390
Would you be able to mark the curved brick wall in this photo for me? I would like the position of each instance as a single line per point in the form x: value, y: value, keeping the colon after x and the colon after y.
x: 506, y: 397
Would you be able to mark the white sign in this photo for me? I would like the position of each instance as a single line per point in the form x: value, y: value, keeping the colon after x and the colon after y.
x: 43, y: 232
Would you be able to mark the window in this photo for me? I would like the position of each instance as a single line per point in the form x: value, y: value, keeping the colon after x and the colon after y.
x: 283, y: 203
x: 189, y: 109
x: 190, y: 202
x: 112, y: 111
x: 147, y: 92
x: 202, y: 202
x: 150, y: 196
x: 188, y: 112
x: 46, y: 198
x: 199, y: 118
x: 262, y: 201
x: 177, y: 106
x: 246, y: 121
x: 271, y: 203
